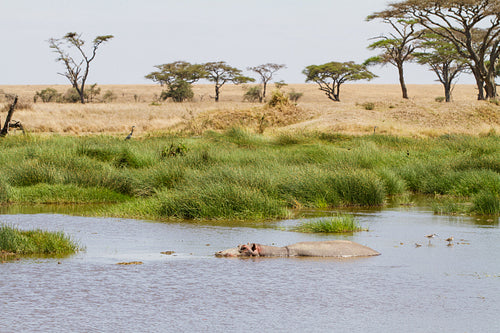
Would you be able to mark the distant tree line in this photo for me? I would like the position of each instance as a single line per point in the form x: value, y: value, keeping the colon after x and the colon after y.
x: 448, y: 36
x: 178, y: 77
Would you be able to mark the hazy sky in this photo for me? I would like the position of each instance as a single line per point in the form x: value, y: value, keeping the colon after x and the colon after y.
x: 245, y: 33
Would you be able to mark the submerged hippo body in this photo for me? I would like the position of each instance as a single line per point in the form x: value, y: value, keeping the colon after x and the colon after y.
x: 336, y: 248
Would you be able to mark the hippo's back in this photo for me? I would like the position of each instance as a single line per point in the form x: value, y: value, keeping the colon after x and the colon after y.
x: 336, y: 248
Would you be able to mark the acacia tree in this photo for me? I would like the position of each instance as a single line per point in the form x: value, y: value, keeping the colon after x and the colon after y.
x: 178, y: 76
x: 332, y: 75
x: 220, y: 73
x: 397, y: 48
x: 77, y: 66
x: 472, y: 26
x: 266, y: 72
x: 443, y: 59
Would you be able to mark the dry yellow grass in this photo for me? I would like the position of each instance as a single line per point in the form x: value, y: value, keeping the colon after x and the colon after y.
x: 421, y: 115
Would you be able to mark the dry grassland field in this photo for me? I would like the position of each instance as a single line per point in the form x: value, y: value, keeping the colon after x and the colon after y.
x: 363, y: 109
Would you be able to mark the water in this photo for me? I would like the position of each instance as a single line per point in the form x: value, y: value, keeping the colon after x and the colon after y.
x: 430, y: 288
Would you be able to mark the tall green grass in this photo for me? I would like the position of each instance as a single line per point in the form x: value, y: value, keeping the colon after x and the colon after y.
x: 486, y: 203
x: 32, y: 242
x: 341, y: 223
x: 240, y: 174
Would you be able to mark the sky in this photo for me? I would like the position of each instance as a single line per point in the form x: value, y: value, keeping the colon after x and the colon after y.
x: 243, y: 33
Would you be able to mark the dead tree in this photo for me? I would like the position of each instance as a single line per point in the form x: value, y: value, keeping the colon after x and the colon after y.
x: 5, y: 128
x: 16, y: 124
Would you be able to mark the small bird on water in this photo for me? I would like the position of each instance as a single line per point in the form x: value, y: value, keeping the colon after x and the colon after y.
x: 430, y: 237
x: 449, y: 240
x: 130, y: 135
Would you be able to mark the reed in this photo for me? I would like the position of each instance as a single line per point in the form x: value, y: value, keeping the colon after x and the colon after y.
x: 340, y: 223
x: 63, y: 194
x: 36, y: 242
x: 213, y: 200
x: 240, y: 174
x: 486, y: 203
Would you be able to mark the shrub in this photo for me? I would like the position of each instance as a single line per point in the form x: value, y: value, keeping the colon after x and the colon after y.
x: 71, y: 96
x: 47, y: 95
x: 440, y: 99
x: 280, y: 84
x: 278, y: 100
x: 369, y: 106
x: 253, y: 94
x: 179, y: 91
x: 295, y: 96
x: 93, y: 92
x: 109, y: 96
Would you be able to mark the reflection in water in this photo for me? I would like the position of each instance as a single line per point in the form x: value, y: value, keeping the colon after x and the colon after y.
x: 407, y: 288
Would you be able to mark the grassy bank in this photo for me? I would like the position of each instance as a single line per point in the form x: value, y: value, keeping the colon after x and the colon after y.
x: 33, y: 242
x: 238, y: 174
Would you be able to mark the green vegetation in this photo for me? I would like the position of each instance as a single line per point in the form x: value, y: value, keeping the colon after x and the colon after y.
x: 30, y: 242
x: 332, y: 75
x: 333, y: 224
x: 241, y: 175
x: 253, y: 94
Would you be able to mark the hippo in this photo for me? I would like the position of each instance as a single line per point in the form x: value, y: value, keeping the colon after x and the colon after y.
x: 336, y: 249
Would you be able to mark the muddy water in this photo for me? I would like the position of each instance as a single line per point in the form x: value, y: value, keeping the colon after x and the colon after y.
x: 431, y: 288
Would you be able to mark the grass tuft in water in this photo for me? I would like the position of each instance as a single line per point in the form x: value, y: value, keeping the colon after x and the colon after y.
x: 33, y: 242
x: 335, y: 224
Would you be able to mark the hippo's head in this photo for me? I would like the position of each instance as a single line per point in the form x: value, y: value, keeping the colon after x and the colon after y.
x: 247, y: 250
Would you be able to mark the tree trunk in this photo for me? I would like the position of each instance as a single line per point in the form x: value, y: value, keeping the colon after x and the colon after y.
x: 216, y: 93
x: 446, y: 80
x: 82, y: 95
x: 5, y: 128
x: 264, y: 86
x: 447, y: 91
x: 337, y: 93
x: 404, y: 90
x: 479, y: 83
x: 491, y: 87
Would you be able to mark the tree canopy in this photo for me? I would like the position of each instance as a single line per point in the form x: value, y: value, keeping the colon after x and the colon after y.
x: 178, y: 77
x: 332, y: 75
x: 220, y: 73
x: 397, y: 47
x: 471, y: 26
x: 78, y: 65
x: 168, y: 74
x: 266, y: 72
x: 442, y: 58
